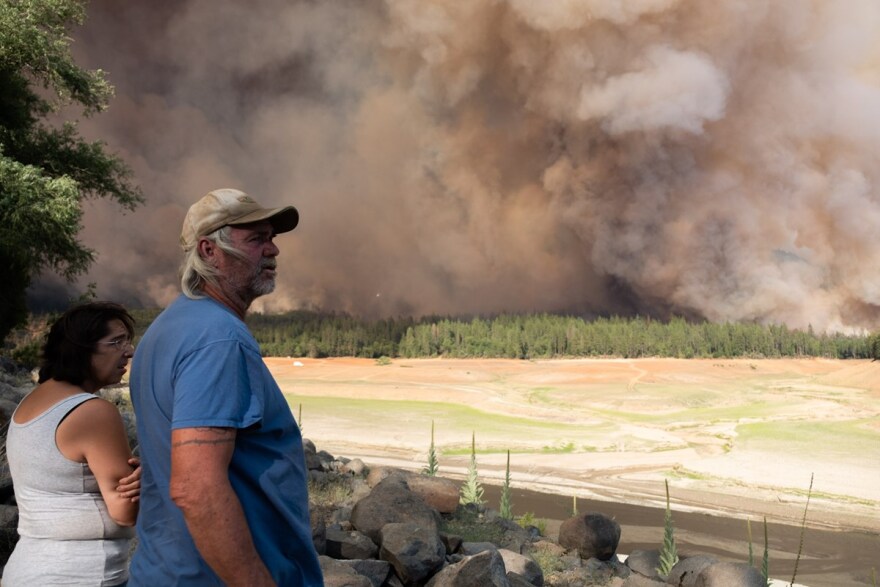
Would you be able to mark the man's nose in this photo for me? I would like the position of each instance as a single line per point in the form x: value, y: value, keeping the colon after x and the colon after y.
x: 271, y: 250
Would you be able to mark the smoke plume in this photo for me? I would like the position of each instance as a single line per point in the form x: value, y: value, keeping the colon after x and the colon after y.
x: 707, y: 159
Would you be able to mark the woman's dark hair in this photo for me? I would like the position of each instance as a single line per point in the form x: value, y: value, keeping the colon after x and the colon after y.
x: 67, y: 354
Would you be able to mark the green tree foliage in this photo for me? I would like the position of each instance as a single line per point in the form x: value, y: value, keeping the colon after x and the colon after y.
x: 46, y: 171
x: 539, y: 336
x: 874, y: 346
x: 472, y: 489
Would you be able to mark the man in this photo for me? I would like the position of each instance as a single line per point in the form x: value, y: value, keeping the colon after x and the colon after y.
x: 223, y: 498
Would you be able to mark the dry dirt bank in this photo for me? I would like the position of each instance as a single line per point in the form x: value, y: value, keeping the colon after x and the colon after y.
x: 735, y: 436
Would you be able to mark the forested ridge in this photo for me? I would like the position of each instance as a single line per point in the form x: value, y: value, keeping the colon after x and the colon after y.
x: 535, y: 336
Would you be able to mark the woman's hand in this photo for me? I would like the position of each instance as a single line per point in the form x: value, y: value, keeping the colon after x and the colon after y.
x: 130, y: 487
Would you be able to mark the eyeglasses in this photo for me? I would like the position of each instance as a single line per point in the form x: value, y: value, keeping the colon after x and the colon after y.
x: 119, y: 344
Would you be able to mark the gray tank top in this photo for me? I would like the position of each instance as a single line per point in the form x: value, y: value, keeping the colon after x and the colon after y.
x: 67, y: 535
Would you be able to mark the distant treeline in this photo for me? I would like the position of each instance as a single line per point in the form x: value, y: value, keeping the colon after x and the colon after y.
x: 537, y: 336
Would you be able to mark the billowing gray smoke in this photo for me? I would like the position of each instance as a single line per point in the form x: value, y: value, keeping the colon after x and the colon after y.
x: 714, y: 159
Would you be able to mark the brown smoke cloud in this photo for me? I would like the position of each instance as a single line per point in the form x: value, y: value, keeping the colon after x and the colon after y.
x: 712, y: 159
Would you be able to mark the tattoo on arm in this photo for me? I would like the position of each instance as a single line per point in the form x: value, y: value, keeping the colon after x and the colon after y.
x: 224, y: 436
x: 202, y: 441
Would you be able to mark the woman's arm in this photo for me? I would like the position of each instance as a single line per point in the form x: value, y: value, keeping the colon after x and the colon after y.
x: 93, y: 433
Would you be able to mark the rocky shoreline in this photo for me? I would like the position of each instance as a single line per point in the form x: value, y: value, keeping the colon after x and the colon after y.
x: 388, y: 527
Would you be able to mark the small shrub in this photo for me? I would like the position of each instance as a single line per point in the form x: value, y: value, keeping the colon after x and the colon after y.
x: 471, y: 526
x: 749, y: 532
x: 669, y: 552
x: 383, y: 360
x: 797, y: 559
x: 27, y: 355
x: 333, y: 491
x: 433, y: 464
x: 548, y: 559
x: 765, y: 563
x: 472, y: 489
x: 505, y: 510
x: 529, y: 519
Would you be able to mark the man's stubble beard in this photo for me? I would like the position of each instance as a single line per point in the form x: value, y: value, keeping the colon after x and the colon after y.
x: 259, y: 285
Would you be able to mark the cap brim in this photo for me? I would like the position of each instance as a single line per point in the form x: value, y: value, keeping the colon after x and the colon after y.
x: 282, y: 219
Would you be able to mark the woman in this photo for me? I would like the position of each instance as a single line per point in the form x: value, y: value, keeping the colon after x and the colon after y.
x: 69, y: 458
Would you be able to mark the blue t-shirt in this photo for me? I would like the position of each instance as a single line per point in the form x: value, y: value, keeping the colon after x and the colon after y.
x: 198, y: 365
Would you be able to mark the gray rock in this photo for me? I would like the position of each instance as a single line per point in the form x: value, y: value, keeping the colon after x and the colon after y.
x: 592, y: 534
x: 390, y: 502
x: 343, y: 544
x: 523, y: 566
x: 354, y: 467
x: 379, y: 474
x: 451, y: 542
x: 375, y: 570
x: 337, y: 574
x: 636, y: 580
x: 481, y: 570
x: 472, y: 548
x: 645, y: 563
x: 414, y: 550
x: 439, y: 493
x: 313, y: 462
x: 729, y: 575
x: 602, y: 571
x: 319, y: 531
x: 517, y: 580
x: 686, y: 571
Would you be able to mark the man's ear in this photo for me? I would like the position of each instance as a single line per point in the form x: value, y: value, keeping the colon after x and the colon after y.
x: 207, y: 249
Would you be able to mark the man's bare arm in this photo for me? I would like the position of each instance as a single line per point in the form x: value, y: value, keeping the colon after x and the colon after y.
x: 200, y: 487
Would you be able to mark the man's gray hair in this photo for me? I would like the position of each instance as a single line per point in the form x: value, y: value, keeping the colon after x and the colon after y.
x: 195, y: 272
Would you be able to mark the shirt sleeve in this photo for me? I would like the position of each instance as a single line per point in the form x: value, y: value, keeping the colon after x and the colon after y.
x: 215, y: 386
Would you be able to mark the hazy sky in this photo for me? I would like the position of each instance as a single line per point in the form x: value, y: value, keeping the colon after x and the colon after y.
x: 715, y: 159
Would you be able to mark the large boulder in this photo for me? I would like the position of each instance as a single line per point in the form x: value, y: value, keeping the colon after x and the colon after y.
x: 378, y: 474
x: 391, y: 502
x: 481, y: 570
x: 414, y: 550
x: 592, y: 534
x: 439, y: 493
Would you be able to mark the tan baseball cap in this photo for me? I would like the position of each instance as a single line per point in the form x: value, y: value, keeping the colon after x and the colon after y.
x: 228, y: 207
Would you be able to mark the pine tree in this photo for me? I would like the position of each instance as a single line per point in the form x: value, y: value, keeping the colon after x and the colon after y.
x: 505, y: 509
x: 669, y: 553
x: 433, y: 465
x: 472, y: 490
